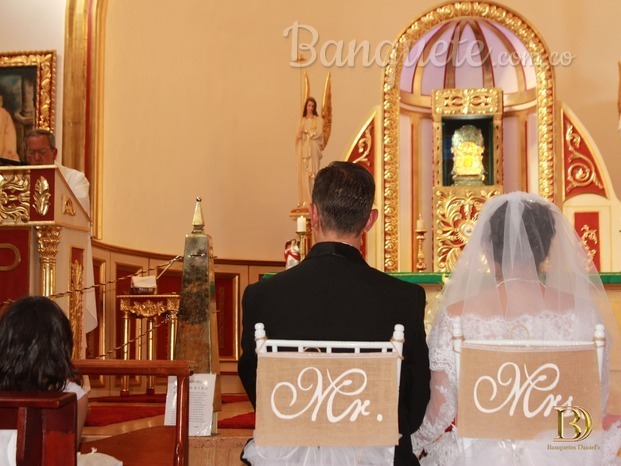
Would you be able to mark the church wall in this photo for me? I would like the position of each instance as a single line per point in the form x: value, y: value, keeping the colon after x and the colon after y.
x: 200, y: 100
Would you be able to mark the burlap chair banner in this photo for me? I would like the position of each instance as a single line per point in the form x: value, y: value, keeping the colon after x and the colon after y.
x: 510, y: 392
x: 338, y: 399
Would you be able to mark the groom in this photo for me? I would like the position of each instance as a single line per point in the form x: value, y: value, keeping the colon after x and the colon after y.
x: 334, y: 294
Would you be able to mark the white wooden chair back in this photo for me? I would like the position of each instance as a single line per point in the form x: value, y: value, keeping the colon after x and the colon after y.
x: 327, y: 393
x: 521, y: 389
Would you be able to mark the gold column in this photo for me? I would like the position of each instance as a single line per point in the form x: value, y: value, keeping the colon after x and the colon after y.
x: 125, y: 378
x: 173, y: 308
x: 76, y: 309
x: 48, y: 238
x: 150, y: 353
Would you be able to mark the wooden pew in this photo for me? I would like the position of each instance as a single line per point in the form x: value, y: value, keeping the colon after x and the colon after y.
x: 45, y: 424
x: 127, y: 447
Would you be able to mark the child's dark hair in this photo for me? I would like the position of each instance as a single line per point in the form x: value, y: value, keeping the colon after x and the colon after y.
x: 36, y: 343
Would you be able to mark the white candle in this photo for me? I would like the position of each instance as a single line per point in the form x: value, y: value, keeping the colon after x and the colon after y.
x: 301, y: 224
x: 420, y: 223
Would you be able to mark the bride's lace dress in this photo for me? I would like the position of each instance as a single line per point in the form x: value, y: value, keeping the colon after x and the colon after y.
x: 444, y: 447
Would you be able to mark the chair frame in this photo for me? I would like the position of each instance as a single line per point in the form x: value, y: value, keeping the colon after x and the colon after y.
x: 180, y: 369
x: 45, y: 424
x: 395, y: 344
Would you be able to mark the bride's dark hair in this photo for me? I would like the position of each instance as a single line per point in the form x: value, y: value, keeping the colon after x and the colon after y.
x: 538, y: 221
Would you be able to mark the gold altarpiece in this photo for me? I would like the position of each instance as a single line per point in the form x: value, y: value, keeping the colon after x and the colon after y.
x: 467, y: 165
x: 427, y: 97
x: 531, y: 140
x: 44, y: 233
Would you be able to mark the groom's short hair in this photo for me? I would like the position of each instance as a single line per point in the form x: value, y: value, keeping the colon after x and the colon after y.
x: 343, y: 193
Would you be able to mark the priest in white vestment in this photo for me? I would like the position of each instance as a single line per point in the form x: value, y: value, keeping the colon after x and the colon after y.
x: 41, y: 150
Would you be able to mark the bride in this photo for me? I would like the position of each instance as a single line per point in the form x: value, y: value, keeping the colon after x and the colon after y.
x: 524, y: 274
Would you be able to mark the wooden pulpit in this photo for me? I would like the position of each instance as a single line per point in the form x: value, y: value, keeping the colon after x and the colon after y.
x: 44, y: 234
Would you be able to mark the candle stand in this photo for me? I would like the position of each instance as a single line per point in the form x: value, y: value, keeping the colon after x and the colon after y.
x: 305, y: 238
x: 420, y: 241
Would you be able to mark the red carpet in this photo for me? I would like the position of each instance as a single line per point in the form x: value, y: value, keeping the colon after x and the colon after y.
x: 112, y: 414
x: 157, y: 398
x: 242, y: 421
x: 104, y: 415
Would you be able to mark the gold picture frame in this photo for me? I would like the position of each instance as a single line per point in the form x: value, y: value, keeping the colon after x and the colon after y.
x: 28, y: 89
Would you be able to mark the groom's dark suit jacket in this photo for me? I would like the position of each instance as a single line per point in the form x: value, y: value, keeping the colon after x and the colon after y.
x: 335, y: 295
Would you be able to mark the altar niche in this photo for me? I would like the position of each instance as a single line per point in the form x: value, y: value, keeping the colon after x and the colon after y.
x: 467, y: 155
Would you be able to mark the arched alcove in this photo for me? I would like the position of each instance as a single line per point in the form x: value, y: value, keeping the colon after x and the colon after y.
x: 459, y: 46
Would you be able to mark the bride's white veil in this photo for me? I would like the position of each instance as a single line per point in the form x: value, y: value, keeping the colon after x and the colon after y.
x: 525, y: 270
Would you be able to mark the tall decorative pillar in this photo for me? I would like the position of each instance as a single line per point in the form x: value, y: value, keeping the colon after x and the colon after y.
x: 48, y: 238
x: 197, y: 337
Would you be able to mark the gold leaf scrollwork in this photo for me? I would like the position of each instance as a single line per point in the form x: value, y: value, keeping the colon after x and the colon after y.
x: 589, y: 240
x: 14, y: 198
x: 76, y: 306
x: 364, y: 147
x: 41, y: 196
x: 581, y: 171
x: 467, y: 101
x: 456, y: 215
x: 146, y: 308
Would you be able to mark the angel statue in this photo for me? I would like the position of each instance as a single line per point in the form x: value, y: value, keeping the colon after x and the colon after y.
x: 311, y: 138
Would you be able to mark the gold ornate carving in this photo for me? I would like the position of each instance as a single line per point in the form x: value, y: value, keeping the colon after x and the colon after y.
x: 148, y: 307
x: 455, y: 102
x: 41, y: 197
x: 48, y: 238
x: 45, y: 61
x: 364, y: 147
x: 68, y: 208
x: 581, y: 171
x: 76, y: 306
x: 392, y: 74
x: 17, y: 257
x: 456, y: 213
x: 14, y: 198
x: 589, y: 238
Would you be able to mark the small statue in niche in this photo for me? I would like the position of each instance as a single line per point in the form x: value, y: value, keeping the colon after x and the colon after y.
x: 467, y: 149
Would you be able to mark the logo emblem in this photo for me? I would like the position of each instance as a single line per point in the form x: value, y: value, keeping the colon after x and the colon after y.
x: 582, y: 423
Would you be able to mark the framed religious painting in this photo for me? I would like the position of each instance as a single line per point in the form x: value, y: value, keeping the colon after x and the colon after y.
x: 27, y: 98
